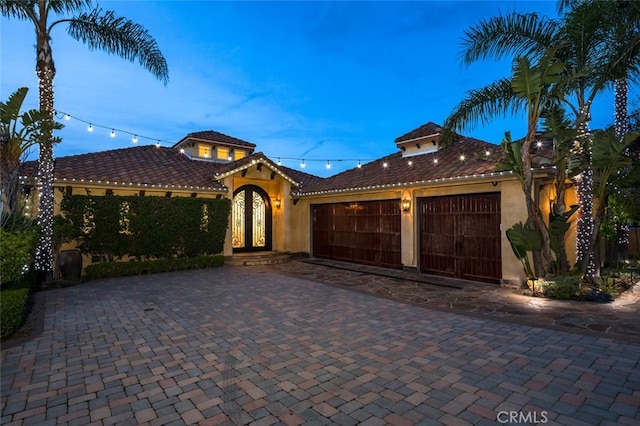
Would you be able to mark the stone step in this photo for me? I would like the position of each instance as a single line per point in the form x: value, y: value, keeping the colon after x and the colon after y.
x: 258, y: 258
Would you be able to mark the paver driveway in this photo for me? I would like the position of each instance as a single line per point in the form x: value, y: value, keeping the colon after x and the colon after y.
x: 253, y: 346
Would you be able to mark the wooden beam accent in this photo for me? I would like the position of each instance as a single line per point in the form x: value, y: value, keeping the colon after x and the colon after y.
x: 244, y: 172
x: 142, y: 192
x: 168, y: 194
x: 259, y: 167
x: 273, y: 175
x: 218, y: 196
x: 194, y: 194
x: 295, y: 201
x: 108, y: 192
x: 69, y: 190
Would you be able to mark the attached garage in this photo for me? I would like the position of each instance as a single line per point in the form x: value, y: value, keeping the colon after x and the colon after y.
x: 460, y: 236
x: 363, y: 232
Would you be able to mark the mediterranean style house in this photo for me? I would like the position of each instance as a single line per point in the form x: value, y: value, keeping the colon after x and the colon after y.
x: 426, y: 208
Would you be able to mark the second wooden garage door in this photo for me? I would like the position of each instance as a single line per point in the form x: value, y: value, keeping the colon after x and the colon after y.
x: 364, y: 232
x: 460, y: 236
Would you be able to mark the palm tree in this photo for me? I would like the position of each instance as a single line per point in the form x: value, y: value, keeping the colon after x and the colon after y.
x: 18, y: 134
x: 587, y: 54
x: 533, y: 89
x: 98, y: 29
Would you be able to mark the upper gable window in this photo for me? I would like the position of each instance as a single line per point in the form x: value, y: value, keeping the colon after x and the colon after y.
x: 239, y: 154
x: 204, y: 151
x: 222, y: 153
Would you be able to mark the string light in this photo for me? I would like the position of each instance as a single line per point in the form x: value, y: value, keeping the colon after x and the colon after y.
x: 461, y: 157
x: 136, y: 137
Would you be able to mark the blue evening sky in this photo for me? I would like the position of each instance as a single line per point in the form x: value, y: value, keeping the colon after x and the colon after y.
x: 311, y: 80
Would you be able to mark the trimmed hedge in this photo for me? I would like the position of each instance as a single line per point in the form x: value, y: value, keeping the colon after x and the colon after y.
x: 13, y: 304
x: 113, y: 226
x: 122, y: 269
x: 15, y: 253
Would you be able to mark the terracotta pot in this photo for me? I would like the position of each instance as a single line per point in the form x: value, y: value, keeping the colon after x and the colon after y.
x: 70, y: 264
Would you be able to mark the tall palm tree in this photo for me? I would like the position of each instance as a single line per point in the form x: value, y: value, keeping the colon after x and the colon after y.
x: 584, y: 35
x: 533, y: 89
x: 97, y: 29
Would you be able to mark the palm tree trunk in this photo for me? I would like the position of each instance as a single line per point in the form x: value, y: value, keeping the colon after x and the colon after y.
x: 46, y: 72
x: 533, y: 212
x: 584, y: 255
x: 621, y: 123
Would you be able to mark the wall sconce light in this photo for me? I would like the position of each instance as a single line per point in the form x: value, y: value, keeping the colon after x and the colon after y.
x: 405, y: 205
x: 277, y: 203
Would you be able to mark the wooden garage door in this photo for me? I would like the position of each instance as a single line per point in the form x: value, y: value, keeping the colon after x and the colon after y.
x: 363, y: 232
x: 460, y: 237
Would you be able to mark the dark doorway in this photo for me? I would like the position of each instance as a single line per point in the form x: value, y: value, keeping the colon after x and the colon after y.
x: 460, y: 237
x: 251, y: 219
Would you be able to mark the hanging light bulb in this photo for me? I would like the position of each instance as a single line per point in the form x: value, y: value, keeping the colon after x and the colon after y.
x: 385, y: 164
x: 435, y: 161
x: 328, y: 164
x: 113, y: 133
x: 157, y: 144
x: 461, y: 157
x: 134, y: 139
x: 302, y: 164
x: 410, y: 163
x: 90, y: 128
x: 279, y: 162
x: 359, y: 165
x: 67, y: 117
x: 487, y: 153
x: 539, y: 144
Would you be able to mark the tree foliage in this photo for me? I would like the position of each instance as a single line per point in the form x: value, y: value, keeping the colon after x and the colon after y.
x: 111, y: 227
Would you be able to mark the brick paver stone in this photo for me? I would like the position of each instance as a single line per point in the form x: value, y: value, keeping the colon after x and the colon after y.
x: 255, y: 345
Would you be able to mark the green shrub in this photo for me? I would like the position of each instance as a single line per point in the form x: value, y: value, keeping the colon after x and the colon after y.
x: 13, y: 304
x: 562, y: 287
x: 15, y: 253
x: 123, y: 269
x: 115, y: 226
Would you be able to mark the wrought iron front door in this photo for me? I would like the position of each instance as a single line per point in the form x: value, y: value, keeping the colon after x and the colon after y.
x: 251, y: 219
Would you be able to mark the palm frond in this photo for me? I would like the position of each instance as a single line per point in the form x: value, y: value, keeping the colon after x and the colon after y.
x: 121, y: 37
x: 16, y: 8
x: 69, y: 6
x: 484, y: 104
x: 515, y: 34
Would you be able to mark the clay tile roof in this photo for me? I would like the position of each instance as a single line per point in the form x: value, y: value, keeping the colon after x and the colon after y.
x: 137, y: 165
x: 417, y: 168
x: 213, y: 136
x: 428, y: 129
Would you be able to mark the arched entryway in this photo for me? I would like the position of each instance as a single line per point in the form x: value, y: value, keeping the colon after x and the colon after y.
x: 251, y: 219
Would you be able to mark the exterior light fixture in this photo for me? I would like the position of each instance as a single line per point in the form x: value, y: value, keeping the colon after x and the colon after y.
x: 277, y: 203
x: 113, y: 133
x: 67, y: 117
x: 134, y: 139
x: 405, y: 205
x: 90, y: 128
